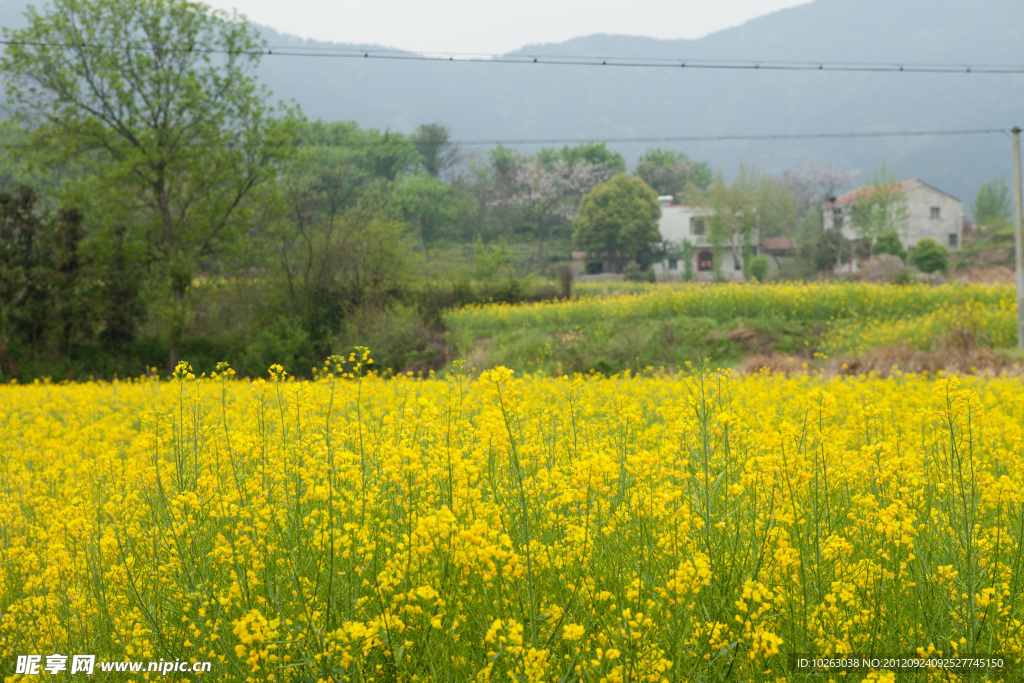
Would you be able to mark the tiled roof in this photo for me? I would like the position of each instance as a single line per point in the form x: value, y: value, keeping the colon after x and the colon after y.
x: 868, y: 190
x: 777, y: 244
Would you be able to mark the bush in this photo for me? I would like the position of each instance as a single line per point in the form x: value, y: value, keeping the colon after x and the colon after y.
x: 204, y: 352
x: 902, y: 277
x: 398, y: 337
x: 634, y: 272
x: 285, y: 342
x: 758, y: 267
x: 889, y: 243
x: 930, y: 257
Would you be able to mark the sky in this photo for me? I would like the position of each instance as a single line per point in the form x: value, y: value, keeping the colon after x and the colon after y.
x: 490, y: 27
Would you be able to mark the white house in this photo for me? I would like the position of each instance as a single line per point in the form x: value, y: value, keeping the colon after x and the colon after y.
x: 931, y: 213
x: 681, y: 224
x: 689, y: 225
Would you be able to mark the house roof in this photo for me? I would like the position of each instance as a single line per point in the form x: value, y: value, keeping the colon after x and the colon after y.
x: 777, y: 244
x: 868, y: 190
x: 901, y: 186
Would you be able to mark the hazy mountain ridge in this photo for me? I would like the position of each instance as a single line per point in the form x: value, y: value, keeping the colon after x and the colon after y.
x: 501, y: 101
x: 506, y: 101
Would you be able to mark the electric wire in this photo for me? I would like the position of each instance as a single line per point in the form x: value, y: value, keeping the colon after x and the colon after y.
x: 768, y: 137
x: 555, y: 60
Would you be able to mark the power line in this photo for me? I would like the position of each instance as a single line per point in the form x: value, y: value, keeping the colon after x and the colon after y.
x: 737, y: 138
x: 558, y: 60
x: 768, y: 137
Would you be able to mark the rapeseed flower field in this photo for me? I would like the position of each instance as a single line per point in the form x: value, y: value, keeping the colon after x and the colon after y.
x: 819, y: 302
x: 662, y: 326
x: 691, y: 526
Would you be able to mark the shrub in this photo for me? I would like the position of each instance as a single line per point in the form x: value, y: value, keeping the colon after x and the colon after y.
x: 284, y: 342
x: 902, y: 276
x: 889, y: 243
x: 758, y: 267
x: 930, y: 257
x: 399, y: 337
x: 634, y: 272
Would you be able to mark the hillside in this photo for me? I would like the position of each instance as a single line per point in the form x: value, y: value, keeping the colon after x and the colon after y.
x: 503, y: 101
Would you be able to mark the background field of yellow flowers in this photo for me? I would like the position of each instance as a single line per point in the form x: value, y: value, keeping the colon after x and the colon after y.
x: 615, y: 327
x: 695, y: 526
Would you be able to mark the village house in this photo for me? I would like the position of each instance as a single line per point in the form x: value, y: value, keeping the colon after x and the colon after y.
x: 686, y: 233
x: 679, y: 225
x: 931, y: 213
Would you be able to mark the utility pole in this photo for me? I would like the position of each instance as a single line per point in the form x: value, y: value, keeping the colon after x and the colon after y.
x: 1019, y: 233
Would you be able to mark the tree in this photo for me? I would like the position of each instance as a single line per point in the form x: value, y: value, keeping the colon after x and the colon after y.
x: 159, y: 99
x: 889, y: 243
x: 591, y: 154
x: 371, y: 155
x: 475, y: 193
x: 344, y: 193
x: 880, y: 206
x: 824, y: 252
x: 546, y: 189
x: 56, y: 292
x: 991, y: 206
x: 673, y: 173
x: 930, y: 257
x: 810, y: 186
x: 618, y: 218
x: 752, y: 202
x: 429, y: 207
x: 686, y: 253
x: 437, y: 152
x: 777, y: 209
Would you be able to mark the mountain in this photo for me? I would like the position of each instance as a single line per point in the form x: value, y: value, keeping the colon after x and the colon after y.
x: 491, y: 101
x: 503, y: 101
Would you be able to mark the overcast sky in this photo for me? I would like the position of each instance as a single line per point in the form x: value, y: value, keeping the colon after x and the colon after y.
x: 489, y: 27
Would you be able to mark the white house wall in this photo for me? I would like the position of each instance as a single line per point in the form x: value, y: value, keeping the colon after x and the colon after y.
x: 676, y: 225
x: 677, y: 222
x: 920, y: 202
x: 664, y: 271
x: 921, y: 199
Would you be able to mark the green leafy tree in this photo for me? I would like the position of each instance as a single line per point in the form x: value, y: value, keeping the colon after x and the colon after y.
x: 880, y: 206
x: 686, y: 254
x: 345, y: 194
x: 544, y: 190
x: 673, y: 173
x: 430, y: 207
x: 179, y: 140
x: 753, y: 205
x: 592, y: 154
x: 930, y: 257
x: 889, y: 243
x: 438, y: 154
x: 618, y: 218
x: 818, y: 256
x: 475, y: 192
x: 369, y: 154
x: 777, y: 210
x: 15, y: 169
x: 991, y: 206
x: 56, y: 292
